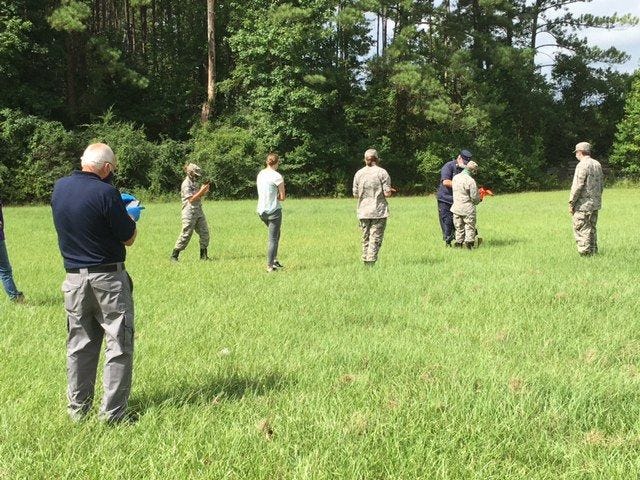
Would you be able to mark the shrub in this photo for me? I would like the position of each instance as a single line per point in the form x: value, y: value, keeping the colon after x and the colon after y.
x: 229, y: 157
x: 134, y: 152
x: 34, y: 153
x: 626, y: 147
x: 53, y: 152
x: 166, y: 169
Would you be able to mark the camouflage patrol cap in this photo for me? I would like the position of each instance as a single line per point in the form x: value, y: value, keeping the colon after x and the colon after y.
x: 472, y: 165
x: 194, y: 169
x: 583, y: 147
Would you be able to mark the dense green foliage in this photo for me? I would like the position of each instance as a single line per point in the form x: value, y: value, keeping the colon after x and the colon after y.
x: 318, y: 81
x: 626, y: 149
x: 520, y: 360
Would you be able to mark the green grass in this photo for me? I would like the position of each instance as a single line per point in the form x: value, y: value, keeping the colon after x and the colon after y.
x: 518, y: 360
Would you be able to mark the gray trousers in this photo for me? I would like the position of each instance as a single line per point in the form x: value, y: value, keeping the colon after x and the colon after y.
x: 99, y: 305
x: 193, y: 219
x: 273, y: 221
x: 372, y: 235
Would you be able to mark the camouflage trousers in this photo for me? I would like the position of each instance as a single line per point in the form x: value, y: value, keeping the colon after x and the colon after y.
x: 584, y: 231
x: 193, y: 220
x: 465, y: 228
x: 372, y: 234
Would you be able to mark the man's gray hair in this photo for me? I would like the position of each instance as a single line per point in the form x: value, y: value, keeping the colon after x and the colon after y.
x: 97, y: 154
x: 371, y: 153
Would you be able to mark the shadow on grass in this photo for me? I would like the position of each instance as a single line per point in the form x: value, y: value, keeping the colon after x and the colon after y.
x: 235, y: 256
x: 49, y: 301
x: 424, y: 260
x: 212, y: 391
x: 501, y: 242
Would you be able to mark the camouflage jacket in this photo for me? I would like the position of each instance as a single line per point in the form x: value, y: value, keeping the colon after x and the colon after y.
x: 588, y: 183
x: 187, y: 190
x: 369, y: 186
x: 465, y: 194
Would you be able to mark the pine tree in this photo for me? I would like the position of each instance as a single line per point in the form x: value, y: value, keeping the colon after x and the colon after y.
x: 626, y: 148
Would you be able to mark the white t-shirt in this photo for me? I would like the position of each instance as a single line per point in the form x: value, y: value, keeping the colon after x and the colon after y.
x: 267, y: 183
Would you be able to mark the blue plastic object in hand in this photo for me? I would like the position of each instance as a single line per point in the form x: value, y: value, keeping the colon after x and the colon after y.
x: 134, y: 211
x: 127, y: 197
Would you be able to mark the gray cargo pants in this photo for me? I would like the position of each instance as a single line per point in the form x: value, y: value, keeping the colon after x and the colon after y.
x: 193, y: 219
x: 99, y: 304
x: 372, y: 235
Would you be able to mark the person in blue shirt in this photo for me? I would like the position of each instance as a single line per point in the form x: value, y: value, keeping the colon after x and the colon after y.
x: 445, y: 194
x: 93, y: 229
x: 6, y: 273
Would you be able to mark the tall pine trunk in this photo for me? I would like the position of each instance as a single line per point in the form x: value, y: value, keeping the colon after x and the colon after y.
x: 208, y: 106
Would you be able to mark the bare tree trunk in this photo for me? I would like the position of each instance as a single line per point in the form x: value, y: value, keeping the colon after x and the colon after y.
x: 208, y: 106
x: 133, y: 30
x: 144, y: 30
x: 377, y: 34
x: 535, y: 13
x: 127, y: 21
x: 72, y: 71
x: 384, y: 29
x: 154, y: 38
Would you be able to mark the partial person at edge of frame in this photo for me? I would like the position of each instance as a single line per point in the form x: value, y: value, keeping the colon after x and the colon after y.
x: 444, y: 194
x: 372, y: 187
x: 271, y: 191
x: 585, y: 199
x: 6, y: 272
x: 93, y: 229
x: 465, y: 198
x: 193, y: 219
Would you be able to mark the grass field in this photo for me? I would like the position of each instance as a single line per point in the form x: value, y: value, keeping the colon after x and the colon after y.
x: 518, y: 360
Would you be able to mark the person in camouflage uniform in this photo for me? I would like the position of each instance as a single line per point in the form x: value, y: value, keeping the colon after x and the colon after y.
x: 372, y: 186
x: 465, y: 199
x: 193, y: 218
x: 585, y: 199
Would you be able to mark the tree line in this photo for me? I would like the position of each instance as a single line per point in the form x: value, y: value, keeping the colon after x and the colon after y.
x: 222, y: 83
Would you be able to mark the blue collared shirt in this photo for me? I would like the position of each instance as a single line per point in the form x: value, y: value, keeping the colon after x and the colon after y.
x: 448, y: 171
x: 91, y: 221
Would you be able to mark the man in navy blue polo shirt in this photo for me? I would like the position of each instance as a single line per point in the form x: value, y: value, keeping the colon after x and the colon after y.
x: 445, y: 194
x: 93, y: 229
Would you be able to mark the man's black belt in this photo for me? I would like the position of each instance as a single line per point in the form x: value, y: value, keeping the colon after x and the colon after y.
x: 109, y: 267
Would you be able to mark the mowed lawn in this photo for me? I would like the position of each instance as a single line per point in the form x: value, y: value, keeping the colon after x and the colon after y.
x: 518, y: 360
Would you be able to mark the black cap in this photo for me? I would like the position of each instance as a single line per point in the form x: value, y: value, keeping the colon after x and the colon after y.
x: 466, y: 155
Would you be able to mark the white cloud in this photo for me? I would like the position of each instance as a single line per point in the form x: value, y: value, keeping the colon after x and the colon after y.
x: 626, y: 38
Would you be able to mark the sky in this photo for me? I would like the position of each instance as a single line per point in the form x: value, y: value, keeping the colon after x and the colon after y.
x: 626, y: 39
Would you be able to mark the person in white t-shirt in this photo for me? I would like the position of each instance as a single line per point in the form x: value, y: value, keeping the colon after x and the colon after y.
x: 271, y: 192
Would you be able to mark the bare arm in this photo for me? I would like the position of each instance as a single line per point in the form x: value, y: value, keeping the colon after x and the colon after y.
x: 200, y: 193
x: 447, y: 183
x: 281, y: 192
